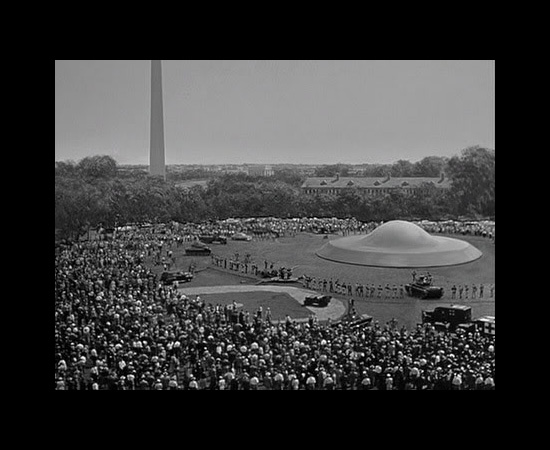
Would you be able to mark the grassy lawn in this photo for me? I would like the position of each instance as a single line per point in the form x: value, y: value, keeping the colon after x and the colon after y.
x: 299, y: 253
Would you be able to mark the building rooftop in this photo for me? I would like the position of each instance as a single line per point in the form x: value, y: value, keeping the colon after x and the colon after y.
x: 373, y: 182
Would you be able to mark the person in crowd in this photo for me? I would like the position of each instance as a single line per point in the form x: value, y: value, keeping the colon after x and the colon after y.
x: 118, y: 328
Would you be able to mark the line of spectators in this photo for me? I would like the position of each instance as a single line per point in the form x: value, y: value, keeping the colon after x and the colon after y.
x: 483, y: 228
x: 175, y: 233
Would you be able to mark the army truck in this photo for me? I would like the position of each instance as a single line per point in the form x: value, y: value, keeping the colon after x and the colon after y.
x: 449, y: 317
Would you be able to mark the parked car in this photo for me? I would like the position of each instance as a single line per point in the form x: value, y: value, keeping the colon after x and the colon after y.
x: 198, y: 250
x: 354, y: 321
x: 213, y: 239
x: 241, y: 237
x: 170, y: 277
x: 317, y: 300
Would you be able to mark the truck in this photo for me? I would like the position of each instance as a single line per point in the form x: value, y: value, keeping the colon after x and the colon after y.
x: 486, y: 325
x: 449, y: 317
x: 455, y: 317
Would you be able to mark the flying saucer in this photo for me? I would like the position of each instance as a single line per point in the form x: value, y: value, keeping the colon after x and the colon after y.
x: 399, y: 243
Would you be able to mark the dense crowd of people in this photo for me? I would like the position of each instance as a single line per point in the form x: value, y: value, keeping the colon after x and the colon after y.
x: 118, y: 328
x: 483, y: 228
x: 272, y: 227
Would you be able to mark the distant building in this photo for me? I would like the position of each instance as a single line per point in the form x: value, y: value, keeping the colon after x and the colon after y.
x: 260, y: 170
x: 371, y: 186
x: 188, y: 184
x: 234, y: 169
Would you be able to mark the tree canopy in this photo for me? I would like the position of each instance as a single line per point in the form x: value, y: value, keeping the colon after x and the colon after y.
x: 94, y: 191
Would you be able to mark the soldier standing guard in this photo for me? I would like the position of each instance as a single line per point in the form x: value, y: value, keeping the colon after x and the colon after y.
x: 474, y: 290
x: 460, y: 290
x: 453, y: 292
x: 481, y: 291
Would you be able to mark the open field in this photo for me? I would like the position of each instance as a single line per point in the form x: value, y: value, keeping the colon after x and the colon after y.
x: 299, y: 253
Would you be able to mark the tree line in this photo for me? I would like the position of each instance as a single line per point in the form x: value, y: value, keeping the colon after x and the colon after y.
x: 94, y: 191
x: 430, y: 166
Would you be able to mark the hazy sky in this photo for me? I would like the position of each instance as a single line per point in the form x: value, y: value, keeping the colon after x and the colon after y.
x: 310, y: 112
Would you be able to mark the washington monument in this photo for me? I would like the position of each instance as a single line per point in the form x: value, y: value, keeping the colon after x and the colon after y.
x: 157, y: 165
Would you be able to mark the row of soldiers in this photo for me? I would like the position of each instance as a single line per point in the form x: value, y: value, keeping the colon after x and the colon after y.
x: 387, y: 291
x: 234, y: 264
x: 342, y: 288
x: 248, y: 267
x: 463, y: 291
x: 357, y: 289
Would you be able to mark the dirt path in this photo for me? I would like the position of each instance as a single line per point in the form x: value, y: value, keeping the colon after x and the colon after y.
x: 334, y: 310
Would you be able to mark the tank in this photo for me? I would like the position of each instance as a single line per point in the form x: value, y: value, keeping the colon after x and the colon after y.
x: 423, y: 288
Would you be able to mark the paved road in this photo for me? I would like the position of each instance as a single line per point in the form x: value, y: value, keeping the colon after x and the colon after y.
x: 334, y: 310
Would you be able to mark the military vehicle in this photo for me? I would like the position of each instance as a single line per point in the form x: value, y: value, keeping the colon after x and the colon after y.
x: 170, y: 277
x: 268, y: 273
x: 486, y: 325
x: 317, y: 300
x: 422, y: 287
x: 198, y: 249
x: 241, y: 237
x: 353, y: 321
x: 449, y: 317
x: 213, y: 239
